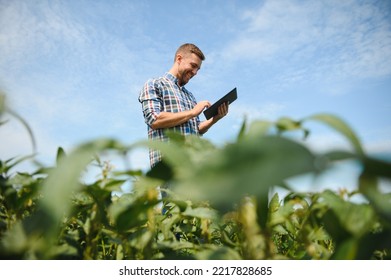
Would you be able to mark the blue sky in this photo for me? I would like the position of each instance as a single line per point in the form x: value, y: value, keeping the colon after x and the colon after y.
x: 74, y: 69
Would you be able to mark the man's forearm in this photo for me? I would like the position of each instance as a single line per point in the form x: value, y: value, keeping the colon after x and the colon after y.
x: 222, y: 111
x: 205, y: 125
x: 167, y: 119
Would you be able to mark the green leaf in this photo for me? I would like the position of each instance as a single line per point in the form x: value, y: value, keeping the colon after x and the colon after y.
x: 60, y: 154
x: 130, y: 211
x: 130, y: 173
x: 339, y: 155
x: 377, y: 167
x: 347, y: 250
x: 2, y: 103
x: 342, y: 127
x: 65, y: 179
x: 175, y: 154
x: 242, y: 130
x: 355, y: 219
x: 218, y: 253
x: 274, y: 204
x: 161, y: 171
x: 259, y: 128
x: 251, y: 166
x: 200, y: 212
x: 10, y: 163
x: 381, y: 202
x: 285, y: 123
x: 15, y: 240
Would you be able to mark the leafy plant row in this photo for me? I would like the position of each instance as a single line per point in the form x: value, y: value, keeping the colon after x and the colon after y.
x: 221, y: 202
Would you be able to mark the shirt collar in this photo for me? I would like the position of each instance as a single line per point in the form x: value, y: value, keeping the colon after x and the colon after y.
x: 172, y: 78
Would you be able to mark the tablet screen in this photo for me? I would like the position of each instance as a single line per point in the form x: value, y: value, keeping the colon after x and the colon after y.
x: 229, y: 97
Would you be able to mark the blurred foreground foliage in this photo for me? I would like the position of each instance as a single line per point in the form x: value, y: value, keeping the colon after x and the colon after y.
x: 221, y: 203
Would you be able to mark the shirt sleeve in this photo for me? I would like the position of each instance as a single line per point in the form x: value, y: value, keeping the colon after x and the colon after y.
x: 151, y: 102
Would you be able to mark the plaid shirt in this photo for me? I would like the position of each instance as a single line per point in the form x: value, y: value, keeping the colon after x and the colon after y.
x: 163, y: 94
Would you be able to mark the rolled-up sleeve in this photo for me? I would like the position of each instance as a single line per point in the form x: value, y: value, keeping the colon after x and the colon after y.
x: 151, y: 102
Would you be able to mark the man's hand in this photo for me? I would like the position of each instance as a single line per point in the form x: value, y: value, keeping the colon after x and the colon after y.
x: 222, y: 111
x: 199, y: 108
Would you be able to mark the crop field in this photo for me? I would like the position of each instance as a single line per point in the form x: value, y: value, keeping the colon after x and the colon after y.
x: 220, y: 202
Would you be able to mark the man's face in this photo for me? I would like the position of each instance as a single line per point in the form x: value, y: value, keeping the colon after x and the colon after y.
x: 188, y: 67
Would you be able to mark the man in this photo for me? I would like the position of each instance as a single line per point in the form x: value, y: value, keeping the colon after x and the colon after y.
x: 167, y: 104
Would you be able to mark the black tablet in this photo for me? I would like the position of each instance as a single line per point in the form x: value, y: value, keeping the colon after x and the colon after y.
x: 229, y: 97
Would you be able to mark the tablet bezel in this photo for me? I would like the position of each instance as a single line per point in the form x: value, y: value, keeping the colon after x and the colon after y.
x: 229, y: 97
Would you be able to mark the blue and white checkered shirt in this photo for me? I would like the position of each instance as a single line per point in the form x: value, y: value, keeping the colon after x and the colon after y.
x: 163, y: 94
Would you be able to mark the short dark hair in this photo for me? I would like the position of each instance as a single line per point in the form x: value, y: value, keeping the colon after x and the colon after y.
x: 190, y: 48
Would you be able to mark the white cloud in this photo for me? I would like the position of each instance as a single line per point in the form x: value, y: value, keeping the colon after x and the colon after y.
x: 25, y: 30
x: 336, y: 38
x: 268, y: 111
x: 66, y: 76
